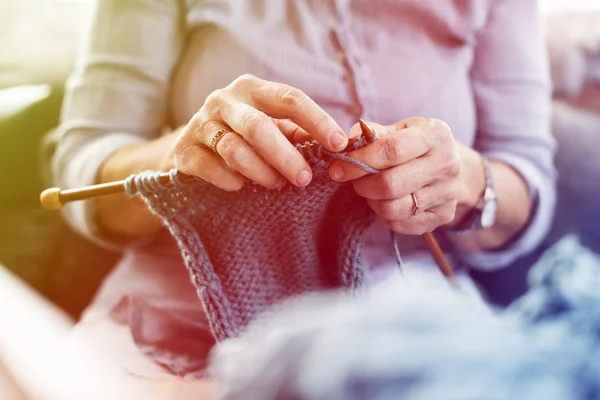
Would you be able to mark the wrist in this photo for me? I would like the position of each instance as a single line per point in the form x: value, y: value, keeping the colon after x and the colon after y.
x: 127, y: 161
x: 471, y: 187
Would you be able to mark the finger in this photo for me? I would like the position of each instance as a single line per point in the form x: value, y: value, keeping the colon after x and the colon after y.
x: 393, y: 147
x: 283, y: 101
x: 397, y: 182
x: 410, y: 122
x: 424, y: 222
x: 239, y: 155
x: 401, y: 209
x: 356, y: 130
x: 268, y: 141
x: 338, y: 169
x: 195, y: 160
x: 292, y: 131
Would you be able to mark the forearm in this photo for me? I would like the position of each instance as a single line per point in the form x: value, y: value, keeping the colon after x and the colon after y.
x: 119, y: 217
x: 514, y: 203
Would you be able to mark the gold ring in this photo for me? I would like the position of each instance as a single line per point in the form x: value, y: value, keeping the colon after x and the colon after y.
x: 415, y: 204
x: 215, y: 139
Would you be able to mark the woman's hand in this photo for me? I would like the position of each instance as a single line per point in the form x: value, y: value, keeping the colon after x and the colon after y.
x: 263, y: 120
x: 417, y: 156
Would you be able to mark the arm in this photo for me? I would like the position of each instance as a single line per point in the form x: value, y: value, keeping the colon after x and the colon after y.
x: 116, y: 102
x: 512, y: 90
x: 419, y: 157
x: 514, y: 202
x: 123, y: 219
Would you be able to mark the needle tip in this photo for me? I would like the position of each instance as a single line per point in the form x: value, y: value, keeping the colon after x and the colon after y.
x: 367, y: 131
x: 50, y: 199
x: 363, y: 126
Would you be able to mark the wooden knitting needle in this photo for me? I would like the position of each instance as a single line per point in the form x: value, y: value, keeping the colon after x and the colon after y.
x: 430, y: 240
x: 56, y: 198
x: 439, y: 257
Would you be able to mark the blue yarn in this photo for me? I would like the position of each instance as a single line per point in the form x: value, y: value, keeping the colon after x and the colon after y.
x: 423, y: 341
x: 316, y: 152
x: 396, y: 249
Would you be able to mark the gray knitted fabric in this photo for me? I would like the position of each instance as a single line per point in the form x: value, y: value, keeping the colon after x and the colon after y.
x: 248, y: 250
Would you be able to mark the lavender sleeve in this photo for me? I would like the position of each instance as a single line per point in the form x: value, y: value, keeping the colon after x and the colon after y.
x: 511, y: 84
x: 117, y: 94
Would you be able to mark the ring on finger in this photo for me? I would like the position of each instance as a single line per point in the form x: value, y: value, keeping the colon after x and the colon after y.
x: 415, y: 204
x: 215, y: 139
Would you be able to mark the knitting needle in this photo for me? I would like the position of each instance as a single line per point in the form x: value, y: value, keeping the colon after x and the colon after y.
x: 56, y: 198
x: 439, y: 257
x: 430, y: 240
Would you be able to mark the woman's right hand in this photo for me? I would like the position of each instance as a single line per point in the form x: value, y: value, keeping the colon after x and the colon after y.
x: 263, y: 120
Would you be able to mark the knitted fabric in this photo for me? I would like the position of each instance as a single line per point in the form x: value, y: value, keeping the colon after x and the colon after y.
x: 422, y: 341
x: 248, y: 250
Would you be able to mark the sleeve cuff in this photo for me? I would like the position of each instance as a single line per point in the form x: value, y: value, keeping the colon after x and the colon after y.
x: 81, y: 169
x: 543, y: 194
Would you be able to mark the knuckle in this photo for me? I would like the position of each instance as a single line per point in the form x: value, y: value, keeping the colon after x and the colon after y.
x: 390, y: 185
x: 215, y: 99
x: 244, y: 80
x: 200, y: 127
x: 232, y: 152
x: 412, y: 121
x: 254, y: 123
x: 215, y: 104
x: 291, y: 96
x: 186, y: 157
x: 451, y: 166
x: 441, y: 131
x: 392, y: 149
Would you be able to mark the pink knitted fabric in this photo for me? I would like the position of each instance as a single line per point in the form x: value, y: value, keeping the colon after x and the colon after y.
x: 250, y: 249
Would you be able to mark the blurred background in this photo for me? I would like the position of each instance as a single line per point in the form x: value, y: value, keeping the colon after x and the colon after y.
x: 56, y: 273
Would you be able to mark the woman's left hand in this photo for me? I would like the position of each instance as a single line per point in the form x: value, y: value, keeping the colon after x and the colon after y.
x: 417, y: 156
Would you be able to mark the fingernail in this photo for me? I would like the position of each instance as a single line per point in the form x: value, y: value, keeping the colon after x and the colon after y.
x: 304, y: 177
x: 336, y: 173
x: 338, y: 140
